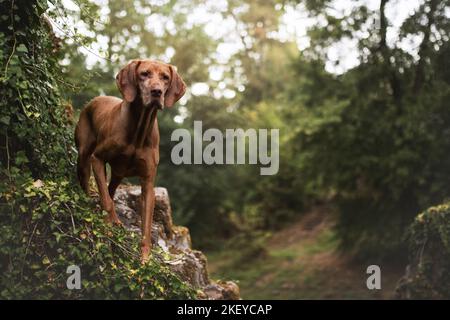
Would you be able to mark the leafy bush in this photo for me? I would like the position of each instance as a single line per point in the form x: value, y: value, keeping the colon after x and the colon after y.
x: 47, y: 226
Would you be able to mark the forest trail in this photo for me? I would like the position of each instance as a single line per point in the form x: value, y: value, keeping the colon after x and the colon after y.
x: 302, y: 262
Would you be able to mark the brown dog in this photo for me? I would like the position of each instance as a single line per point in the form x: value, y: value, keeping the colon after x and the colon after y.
x: 124, y: 133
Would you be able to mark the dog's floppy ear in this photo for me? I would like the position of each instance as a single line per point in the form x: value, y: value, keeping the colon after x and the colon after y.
x: 126, y: 81
x: 176, y: 89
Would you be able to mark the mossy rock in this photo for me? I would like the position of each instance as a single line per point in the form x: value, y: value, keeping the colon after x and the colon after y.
x: 428, y: 273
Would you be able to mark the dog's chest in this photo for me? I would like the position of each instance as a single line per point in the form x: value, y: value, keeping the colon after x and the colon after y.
x: 133, y: 162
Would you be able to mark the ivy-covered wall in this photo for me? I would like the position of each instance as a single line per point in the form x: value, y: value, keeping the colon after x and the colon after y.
x: 46, y: 224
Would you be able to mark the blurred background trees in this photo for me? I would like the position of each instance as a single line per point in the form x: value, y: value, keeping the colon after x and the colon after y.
x: 371, y: 137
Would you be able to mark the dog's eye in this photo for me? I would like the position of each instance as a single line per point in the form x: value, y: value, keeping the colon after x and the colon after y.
x: 145, y: 73
x: 165, y: 77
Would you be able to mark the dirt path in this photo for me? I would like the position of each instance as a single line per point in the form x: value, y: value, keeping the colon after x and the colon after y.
x: 302, y: 262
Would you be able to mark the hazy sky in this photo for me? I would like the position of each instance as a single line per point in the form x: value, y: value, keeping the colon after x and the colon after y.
x: 296, y: 23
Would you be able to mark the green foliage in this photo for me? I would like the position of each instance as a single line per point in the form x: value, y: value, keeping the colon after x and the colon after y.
x: 46, y: 225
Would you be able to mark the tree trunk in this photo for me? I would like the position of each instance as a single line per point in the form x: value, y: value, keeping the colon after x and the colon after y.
x: 424, y: 49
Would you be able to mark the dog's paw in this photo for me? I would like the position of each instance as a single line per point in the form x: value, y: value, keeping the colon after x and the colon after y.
x: 114, y: 221
x: 118, y: 223
x: 145, y: 255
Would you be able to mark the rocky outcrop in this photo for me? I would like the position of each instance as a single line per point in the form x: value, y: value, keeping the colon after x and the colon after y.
x: 174, y: 243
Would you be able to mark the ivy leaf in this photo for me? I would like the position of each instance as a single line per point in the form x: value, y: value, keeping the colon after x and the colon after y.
x: 5, y: 120
x: 22, y: 48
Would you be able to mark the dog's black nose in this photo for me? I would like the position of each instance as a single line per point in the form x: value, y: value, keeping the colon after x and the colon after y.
x: 156, y: 93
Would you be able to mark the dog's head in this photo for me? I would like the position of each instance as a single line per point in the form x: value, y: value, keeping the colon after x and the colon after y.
x: 154, y: 83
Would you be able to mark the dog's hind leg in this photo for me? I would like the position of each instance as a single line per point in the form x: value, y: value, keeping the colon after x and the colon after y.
x: 85, y: 142
x: 113, y: 184
x: 98, y: 166
x: 84, y: 171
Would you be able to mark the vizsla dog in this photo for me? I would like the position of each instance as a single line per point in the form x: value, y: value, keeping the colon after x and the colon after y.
x: 124, y: 133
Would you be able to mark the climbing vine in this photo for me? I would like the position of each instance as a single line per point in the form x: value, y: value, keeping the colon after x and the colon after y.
x: 46, y: 224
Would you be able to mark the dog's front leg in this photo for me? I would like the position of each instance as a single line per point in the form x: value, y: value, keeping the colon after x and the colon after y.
x: 147, y: 207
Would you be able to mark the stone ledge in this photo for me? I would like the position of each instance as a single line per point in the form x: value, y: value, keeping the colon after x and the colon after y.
x: 175, y: 241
